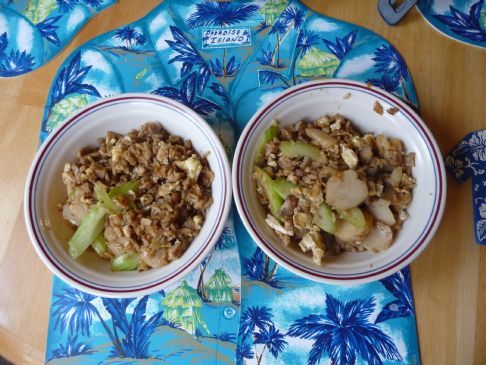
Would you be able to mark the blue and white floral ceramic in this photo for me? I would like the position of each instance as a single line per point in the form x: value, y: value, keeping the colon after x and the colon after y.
x: 468, y: 160
x: 462, y: 20
x: 32, y: 32
x: 224, y: 60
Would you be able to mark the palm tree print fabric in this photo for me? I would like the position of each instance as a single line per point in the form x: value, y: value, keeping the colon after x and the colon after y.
x: 178, y: 325
x: 32, y: 32
x: 464, y: 20
x: 224, y: 60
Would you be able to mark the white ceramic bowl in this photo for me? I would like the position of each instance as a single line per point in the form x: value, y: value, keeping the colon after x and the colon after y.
x: 44, y: 190
x: 355, y: 101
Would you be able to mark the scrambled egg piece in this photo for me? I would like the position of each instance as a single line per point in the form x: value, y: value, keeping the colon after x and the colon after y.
x: 302, y: 220
x: 349, y: 156
x: 191, y: 166
x: 313, y: 241
x: 275, y: 224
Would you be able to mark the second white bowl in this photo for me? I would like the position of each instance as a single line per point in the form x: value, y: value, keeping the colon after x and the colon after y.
x: 354, y: 101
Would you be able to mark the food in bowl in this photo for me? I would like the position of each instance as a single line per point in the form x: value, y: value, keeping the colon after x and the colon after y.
x: 137, y: 199
x: 328, y: 188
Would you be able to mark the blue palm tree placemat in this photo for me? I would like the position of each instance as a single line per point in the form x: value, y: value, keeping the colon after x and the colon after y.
x: 463, y: 20
x: 32, y: 32
x: 224, y: 60
x: 467, y: 161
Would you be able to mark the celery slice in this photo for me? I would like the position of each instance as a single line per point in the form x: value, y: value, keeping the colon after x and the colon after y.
x: 354, y: 216
x: 99, y: 245
x: 300, y: 149
x: 275, y: 201
x: 125, y: 262
x: 105, y: 200
x: 91, y: 227
x: 124, y: 189
x: 282, y: 187
x: 267, y: 136
x: 325, y: 219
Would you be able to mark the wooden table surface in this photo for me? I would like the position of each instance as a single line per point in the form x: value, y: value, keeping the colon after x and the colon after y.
x: 449, y: 278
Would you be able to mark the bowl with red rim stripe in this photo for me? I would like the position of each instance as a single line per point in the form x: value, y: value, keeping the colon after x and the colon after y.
x: 355, y: 101
x: 44, y: 190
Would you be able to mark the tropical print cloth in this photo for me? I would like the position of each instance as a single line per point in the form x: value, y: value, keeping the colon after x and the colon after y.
x: 468, y: 160
x: 32, y: 32
x: 224, y: 59
x: 464, y: 20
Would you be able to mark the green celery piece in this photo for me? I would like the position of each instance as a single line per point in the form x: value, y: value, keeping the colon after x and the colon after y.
x: 300, y: 149
x: 274, y: 199
x: 105, y: 200
x: 354, y: 216
x: 99, y: 245
x: 282, y: 187
x: 91, y: 227
x: 267, y: 136
x: 125, y: 262
x: 325, y: 219
x: 124, y: 189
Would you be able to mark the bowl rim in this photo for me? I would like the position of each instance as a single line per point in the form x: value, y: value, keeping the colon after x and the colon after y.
x: 179, y: 272
x: 269, y: 249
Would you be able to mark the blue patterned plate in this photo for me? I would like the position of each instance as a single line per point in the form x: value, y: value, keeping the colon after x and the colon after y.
x: 462, y: 20
x: 33, y: 32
